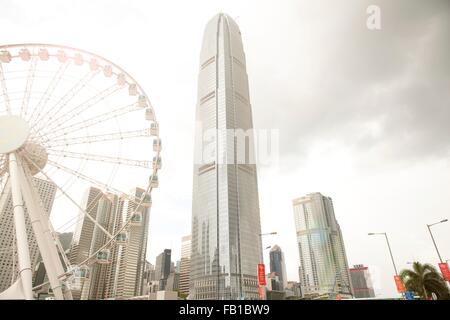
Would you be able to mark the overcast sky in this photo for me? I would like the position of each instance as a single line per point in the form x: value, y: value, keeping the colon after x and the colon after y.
x: 363, y: 115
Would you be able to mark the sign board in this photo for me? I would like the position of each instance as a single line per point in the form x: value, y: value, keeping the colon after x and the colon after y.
x: 409, y: 295
x: 261, y: 274
x: 399, y: 284
x: 445, y: 271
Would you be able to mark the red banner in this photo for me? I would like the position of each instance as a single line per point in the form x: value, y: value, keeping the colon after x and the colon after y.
x: 261, y: 274
x: 261, y: 292
x: 445, y: 271
x: 399, y: 284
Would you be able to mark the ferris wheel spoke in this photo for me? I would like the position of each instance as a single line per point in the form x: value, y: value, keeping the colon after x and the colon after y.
x: 85, y: 213
x: 100, y: 138
x: 93, y: 121
x: 100, y: 158
x: 71, y: 222
x: 92, y: 101
x: 29, y: 85
x: 65, y: 99
x: 5, y: 90
x: 3, y: 182
x: 102, y: 185
x: 47, y: 94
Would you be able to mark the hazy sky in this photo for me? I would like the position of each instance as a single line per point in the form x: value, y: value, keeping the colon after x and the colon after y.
x: 363, y: 115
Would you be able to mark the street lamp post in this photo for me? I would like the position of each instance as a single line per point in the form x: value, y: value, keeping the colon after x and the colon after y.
x: 432, y: 238
x: 390, y: 251
x: 389, y: 247
x: 434, y: 242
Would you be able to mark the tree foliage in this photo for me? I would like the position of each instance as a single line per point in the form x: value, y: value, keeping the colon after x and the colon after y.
x: 424, y: 280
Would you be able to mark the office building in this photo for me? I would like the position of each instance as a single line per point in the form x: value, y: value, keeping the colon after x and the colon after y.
x: 163, y: 267
x: 278, y: 266
x: 122, y: 275
x: 226, y: 244
x: 361, y: 282
x: 323, y: 261
x: 8, y: 254
x: 185, y: 264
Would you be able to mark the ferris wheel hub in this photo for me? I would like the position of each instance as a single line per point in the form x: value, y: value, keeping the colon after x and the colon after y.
x: 34, y: 156
x: 14, y: 132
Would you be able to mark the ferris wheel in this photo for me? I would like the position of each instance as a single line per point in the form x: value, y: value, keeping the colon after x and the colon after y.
x: 74, y: 119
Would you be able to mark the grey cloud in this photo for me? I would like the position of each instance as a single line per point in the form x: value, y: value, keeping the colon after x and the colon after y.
x: 397, y: 78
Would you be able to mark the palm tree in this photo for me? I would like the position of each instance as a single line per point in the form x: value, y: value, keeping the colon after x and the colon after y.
x: 424, y: 280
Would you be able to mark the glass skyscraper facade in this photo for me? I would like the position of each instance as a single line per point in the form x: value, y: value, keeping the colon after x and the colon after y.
x: 323, y: 262
x: 226, y: 244
x: 123, y: 276
x: 278, y: 266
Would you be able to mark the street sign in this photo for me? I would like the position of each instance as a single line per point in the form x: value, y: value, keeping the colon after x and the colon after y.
x: 399, y: 284
x: 261, y: 274
x: 409, y: 295
x: 445, y: 271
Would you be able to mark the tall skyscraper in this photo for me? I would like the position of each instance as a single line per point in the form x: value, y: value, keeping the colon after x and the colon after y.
x: 323, y: 262
x: 278, y: 266
x: 163, y: 267
x: 8, y: 255
x: 361, y: 282
x: 226, y: 244
x: 131, y: 265
x: 185, y: 264
x: 84, y: 240
x: 123, y: 276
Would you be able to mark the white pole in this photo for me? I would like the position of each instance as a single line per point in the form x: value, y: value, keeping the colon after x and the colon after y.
x: 23, y: 251
x: 47, y: 247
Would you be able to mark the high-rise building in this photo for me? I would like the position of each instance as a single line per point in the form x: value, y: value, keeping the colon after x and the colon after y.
x: 278, y: 266
x: 8, y: 255
x: 123, y: 276
x: 131, y: 257
x: 149, y: 272
x: 226, y: 243
x: 163, y: 268
x: 185, y: 264
x: 84, y: 241
x: 323, y: 261
x: 361, y: 282
x: 173, y: 282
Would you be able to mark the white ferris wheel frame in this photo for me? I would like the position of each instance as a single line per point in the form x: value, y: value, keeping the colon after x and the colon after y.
x: 25, y: 193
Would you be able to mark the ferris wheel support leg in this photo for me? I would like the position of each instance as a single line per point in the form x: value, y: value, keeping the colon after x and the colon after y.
x: 23, y: 251
x: 46, y: 244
